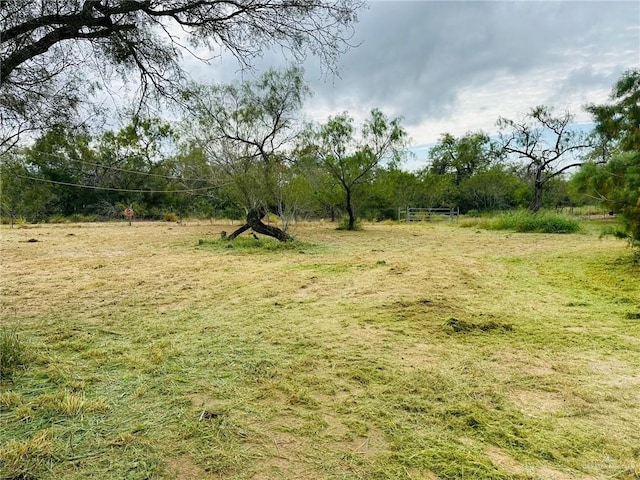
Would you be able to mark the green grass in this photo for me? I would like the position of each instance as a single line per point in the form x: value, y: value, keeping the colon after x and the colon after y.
x: 525, y: 222
x: 12, y: 351
x: 254, y: 245
x: 153, y: 354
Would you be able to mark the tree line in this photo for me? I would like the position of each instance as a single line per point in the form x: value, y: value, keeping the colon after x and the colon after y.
x: 244, y: 151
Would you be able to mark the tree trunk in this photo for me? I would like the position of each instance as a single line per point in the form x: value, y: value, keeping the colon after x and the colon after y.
x: 536, y: 203
x: 254, y: 222
x: 352, y: 218
x: 239, y: 231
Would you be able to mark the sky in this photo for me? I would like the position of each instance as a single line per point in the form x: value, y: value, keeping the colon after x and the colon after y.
x: 457, y: 66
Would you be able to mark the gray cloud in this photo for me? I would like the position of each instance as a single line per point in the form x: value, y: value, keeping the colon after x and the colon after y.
x: 460, y: 64
x: 416, y: 57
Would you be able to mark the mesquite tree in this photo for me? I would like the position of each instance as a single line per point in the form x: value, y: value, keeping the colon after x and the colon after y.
x: 463, y: 157
x: 352, y: 157
x: 55, y: 53
x: 246, y: 131
x: 547, y: 143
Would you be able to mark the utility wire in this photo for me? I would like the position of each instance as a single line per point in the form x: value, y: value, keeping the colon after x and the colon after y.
x: 109, y: 167
x: 114, y: 189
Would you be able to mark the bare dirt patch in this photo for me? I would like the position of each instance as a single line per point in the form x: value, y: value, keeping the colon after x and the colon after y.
x: 183, y: 468
x: 503, y: 460
x: 535, y: 402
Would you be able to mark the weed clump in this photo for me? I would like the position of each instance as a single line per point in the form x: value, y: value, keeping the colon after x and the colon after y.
x: 12, y: 351
x: 462, y: 326
x: 253, y: 245
x: 29, y: 458
x: 170, y: 217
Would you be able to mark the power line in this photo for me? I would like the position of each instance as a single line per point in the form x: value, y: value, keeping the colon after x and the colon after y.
x: 110, y: 167
x: 114, y: 189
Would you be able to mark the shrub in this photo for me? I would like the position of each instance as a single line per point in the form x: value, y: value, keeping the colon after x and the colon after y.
x: 526, y: 222
x: 169, y: 217
x: 344, y: 224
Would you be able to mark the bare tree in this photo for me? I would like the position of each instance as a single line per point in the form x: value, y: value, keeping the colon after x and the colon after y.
x: 54, y: 53
x: 547, y: 143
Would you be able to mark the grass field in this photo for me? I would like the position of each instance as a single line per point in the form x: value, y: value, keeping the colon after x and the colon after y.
x: 398, y: 352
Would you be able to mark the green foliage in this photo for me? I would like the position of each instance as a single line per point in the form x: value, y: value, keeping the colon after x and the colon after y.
x: 437, y: 190
x: 617, y: 183
x: 57, y: 218
x: 489, y: 190
x: 346, y: 225
x: 462, y: 157
x: 12, y: 351
x: 351, y: 157
x: 244, y: 131
x: 46, y: 74
x: 170, y: 217
x: 70, y: 175
x: 620, y: 120
x: 539, y: 223
x: 524, y: 221
x: 20, y: 195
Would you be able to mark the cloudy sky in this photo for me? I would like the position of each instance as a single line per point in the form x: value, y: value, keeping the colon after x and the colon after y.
x: 456, y: 66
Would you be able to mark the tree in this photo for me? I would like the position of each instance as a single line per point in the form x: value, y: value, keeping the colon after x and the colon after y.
x: 323, y: 187
x: 245, y: 130
x: 54, y: 53
x: 351, y: 159
x: 617, y: 182
x: 547, y: 143
x: 619, y: 121
x: 20, y: 197
x: 489, y: 190
x: 462, y: 157
x: 54, y: 159
x: 86, y: 174
x: 437, y: 190
x: 390, y: 189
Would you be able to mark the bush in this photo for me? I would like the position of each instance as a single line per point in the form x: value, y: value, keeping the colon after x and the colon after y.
x: 170, y: 217
x: 541, y: 222
x: 344, y: 224
x: 12, y: 351
x: 526, y: 222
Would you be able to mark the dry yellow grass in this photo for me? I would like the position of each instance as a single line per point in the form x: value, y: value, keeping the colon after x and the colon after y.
x: 330, y: 360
